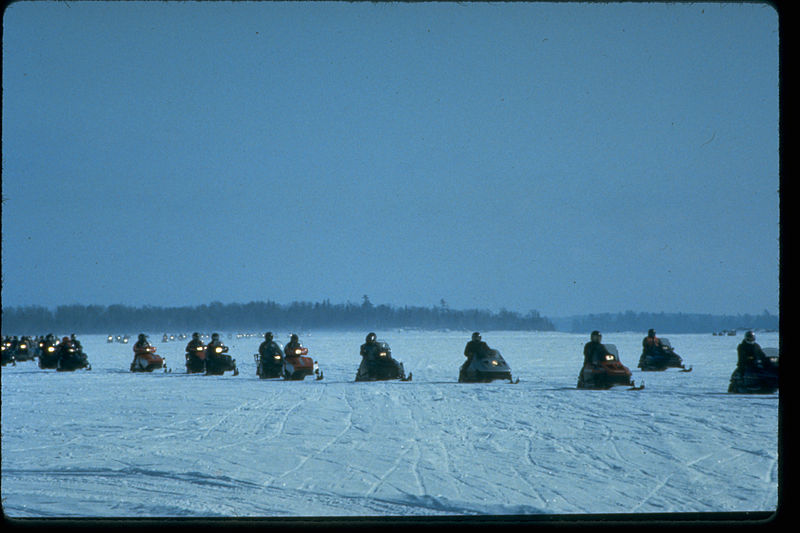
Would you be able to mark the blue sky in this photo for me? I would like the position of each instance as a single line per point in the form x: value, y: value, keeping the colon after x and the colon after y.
x: 568, y: 158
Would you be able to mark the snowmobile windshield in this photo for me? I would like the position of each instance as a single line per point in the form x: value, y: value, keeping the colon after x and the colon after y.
x: 611, y: 350
x: 772, y: 354
x: 276, y: 349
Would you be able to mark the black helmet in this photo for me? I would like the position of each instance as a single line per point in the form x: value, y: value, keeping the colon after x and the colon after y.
x: 215, y: 335
x: 595, y: 333
x: 195, y: 335
x: 371, y: 336
x: 651, y: 331
x: 749, y: 336
x: 142, y: 336
x: 268, y: 336
x: 294, y: 337
x: 476, y: 336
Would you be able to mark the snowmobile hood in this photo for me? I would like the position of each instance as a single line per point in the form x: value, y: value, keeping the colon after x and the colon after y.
x: 491, y: 362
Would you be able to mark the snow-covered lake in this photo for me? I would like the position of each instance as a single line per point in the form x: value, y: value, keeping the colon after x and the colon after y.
x: 109, y: 443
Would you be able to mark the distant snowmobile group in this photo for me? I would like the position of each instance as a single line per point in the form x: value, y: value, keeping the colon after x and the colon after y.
x: 64, y: 355
x: 756, y: 370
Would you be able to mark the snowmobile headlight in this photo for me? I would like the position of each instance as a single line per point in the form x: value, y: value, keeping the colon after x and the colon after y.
x: 382, y: 354
x: 51, y: 349
x: 276, y: 357
x: 298, y: 351
x: 494, y: 362
x: 609, y: 357
x: 218, y: 349
x: 23, y: 346
x: 199, y: 348
x: 773, y: 360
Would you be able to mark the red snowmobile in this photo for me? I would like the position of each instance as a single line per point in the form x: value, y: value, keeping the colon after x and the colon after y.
x: 609, y: 372
x: 146, y: 360
x: 296, y: 364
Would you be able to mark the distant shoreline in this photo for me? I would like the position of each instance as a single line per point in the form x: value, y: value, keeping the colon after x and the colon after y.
x: 33, y: 320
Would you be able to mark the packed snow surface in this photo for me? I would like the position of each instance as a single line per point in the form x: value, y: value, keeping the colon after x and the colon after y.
x: 110, y: 443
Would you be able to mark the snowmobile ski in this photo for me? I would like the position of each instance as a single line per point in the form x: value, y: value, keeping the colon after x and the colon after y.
x: 634, y: 387
x: 686, y: 369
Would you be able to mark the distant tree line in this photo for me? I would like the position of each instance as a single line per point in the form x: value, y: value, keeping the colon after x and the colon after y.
x: 672, y: 322
x: 259, y: 316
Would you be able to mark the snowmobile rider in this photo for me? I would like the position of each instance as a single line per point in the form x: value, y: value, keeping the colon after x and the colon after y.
x: 63, y: 347
x: 750, y: 354
x: 370, y: 348
x: 141, y: 344
x: 76, y: 343
x: 294, y: 344
x: 269, y: 346
x: 594, y: 351
x: 475, y: 347
x: 194, y: 343
x: 215, y: 343
x: 651, y: 345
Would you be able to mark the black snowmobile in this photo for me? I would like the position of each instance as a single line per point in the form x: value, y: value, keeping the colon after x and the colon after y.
x: 71, y: 358
x: 271, y: 365
x: 760, y: 378
x: 218, y: 361
x: 8, y: 353
x: 381, y: 366
x: 662, y: 360
x: 196, y: 360
x: 49, y: 356
x: 608, y: 373
x: 484, y: 368
x: 24, y: 351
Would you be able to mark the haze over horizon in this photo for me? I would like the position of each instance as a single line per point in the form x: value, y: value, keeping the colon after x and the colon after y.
x: 561, y: 157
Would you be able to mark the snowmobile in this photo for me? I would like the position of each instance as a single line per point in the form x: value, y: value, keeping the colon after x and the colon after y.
x: 8, y: 353
x: 484, y: 368
x: 218, y: 361
x: 296, y: 366
x: 606, y: 374
x: 271, y: 365
x: 71, y: 358
x: 24, y: 351
x: 667, y: 358
x: 196, y: 360
x: 381, y: 366
x: 761, y: 378
x: 110, y: 338
x: 147, y: 360
x: 49, y: 356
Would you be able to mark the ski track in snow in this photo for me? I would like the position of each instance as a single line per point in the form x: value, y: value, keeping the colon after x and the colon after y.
x: 116, y: 444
